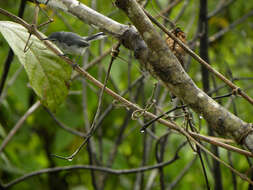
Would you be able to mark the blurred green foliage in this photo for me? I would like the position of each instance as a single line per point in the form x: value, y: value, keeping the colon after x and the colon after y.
x: 32, y: 147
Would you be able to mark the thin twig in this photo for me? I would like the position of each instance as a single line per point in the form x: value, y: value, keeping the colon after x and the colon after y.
x: 181, y: 174
x: 97, y: 60
x: 181, y: 12
x: 145, y: 126
x: 159, y: 155
x: 217, y: 142
x: 220, y: 8
x: 126, y: 103
x: 63, y: 126
x: 230, y: 27
x: 167, y: 9
x: 20, y: 122
x: 91, y: 147
x: 93, y: 125
x: 88, y: 167
x: 10, y: 83
x: 200, y: 60
x: 199, y: 151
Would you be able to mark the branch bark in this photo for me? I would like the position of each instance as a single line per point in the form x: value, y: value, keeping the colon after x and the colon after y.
x: 142, y: 52
x: 160, y: 62
x: 152, y: 52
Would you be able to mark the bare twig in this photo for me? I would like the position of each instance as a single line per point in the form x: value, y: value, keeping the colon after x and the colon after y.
x: 200, y: 60
x: 167, y: 9
x: 93, y: 125
x: 88, y: 167
x: 167, y: 61
x: 127, y: 103
x: 199, y: 152
x: 63, y: 126
x: 97, y: 60
x: 217, y: 142
x: 181, y: 12
x: 220, y: 8
x: 15, y: 129
x: 145, y: 126
x: 230, y: 27
x: 10, y: 83
x: 181, y: 174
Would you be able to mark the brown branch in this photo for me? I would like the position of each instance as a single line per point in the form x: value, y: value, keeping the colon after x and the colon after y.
x: 180, y: 81
x: 171, y: 74
x: 90, y: 167
x: 200, y: 60
x: 94, y: 127
x: 217, y: 142
x: 162, y: 63
x: 159, y: 60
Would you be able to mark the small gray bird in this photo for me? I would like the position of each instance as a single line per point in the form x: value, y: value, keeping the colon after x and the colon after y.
x: 71, y: 43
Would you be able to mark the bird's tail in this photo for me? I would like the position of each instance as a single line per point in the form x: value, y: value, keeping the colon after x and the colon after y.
x: 97, y: 36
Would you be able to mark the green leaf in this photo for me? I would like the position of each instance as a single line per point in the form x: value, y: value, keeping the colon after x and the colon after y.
x: 47, y: 73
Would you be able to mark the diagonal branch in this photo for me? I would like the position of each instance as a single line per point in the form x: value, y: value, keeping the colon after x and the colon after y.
x: 20, y: 122
x: 153, y: 53
x: 118, y: 30
x: 160, y: 61
x: 143, y: 52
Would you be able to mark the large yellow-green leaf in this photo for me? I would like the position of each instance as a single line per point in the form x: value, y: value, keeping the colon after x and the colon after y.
x: 47, y: 73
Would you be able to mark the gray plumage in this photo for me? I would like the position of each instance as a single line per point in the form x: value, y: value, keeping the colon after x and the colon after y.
x: 72, y: 43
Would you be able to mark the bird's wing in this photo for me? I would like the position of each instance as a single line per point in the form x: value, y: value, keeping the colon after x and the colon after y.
x: 73, y: 38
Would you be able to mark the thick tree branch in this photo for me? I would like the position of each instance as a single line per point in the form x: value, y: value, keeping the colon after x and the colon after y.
x: 87, y: 15
x: 143, y: 52
x: 159, y: 60
x: 152, y: 52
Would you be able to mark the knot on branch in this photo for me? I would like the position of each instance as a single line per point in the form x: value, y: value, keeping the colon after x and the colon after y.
x: 114, y: 53
x: 247, y: 131
x: 32, y: 28
x: 131, y: 39
x: 115, y: 50
x: 236, y: 91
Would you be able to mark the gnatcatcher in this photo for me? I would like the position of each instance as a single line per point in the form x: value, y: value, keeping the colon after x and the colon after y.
x: 71, y: 43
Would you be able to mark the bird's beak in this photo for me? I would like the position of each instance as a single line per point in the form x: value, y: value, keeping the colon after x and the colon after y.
x: 48, y: 39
